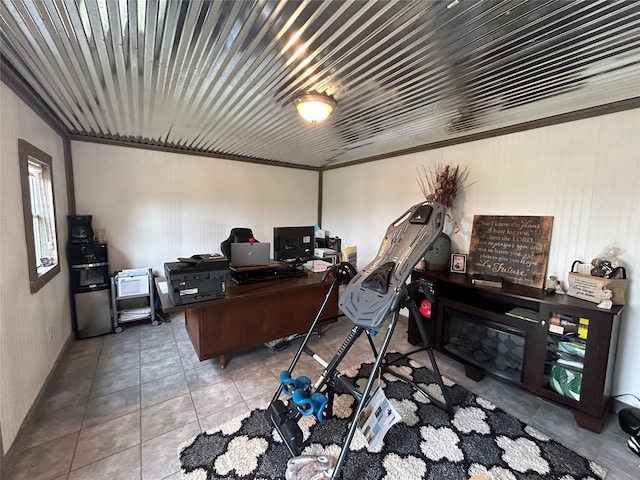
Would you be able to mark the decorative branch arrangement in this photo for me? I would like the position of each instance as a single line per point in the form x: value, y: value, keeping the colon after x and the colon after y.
x: 443, y: 183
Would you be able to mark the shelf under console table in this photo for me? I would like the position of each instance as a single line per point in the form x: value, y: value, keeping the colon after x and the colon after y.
x: 555, y: 346
x: 251, y: 315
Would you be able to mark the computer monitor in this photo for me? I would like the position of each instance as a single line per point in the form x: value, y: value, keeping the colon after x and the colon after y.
x: 293, y: 243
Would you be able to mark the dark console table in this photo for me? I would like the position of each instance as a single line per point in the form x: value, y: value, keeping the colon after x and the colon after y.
x: 468, y: 323
x: 250, y: 315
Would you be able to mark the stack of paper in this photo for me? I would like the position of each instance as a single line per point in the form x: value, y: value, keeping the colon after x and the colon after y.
x: 131, y: 314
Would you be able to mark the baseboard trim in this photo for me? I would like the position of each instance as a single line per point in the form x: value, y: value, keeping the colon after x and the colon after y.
x: 7, y: 459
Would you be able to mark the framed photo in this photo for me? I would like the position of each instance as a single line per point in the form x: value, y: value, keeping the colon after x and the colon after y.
x: 458, y: 262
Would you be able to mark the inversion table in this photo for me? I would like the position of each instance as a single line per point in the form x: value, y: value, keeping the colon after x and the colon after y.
x: 370, y: 297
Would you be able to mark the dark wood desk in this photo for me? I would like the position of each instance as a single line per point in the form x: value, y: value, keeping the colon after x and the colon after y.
x: 251, y: 315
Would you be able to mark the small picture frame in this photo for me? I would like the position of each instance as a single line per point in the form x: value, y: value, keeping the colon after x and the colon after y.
x: 458, y: 263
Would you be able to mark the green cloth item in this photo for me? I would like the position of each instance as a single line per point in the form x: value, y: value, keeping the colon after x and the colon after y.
x: 566, y: 382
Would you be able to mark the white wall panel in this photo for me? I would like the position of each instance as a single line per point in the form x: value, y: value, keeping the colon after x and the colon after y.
x: 27, y: 353
x: 157, y: 206
x: 586, y: 174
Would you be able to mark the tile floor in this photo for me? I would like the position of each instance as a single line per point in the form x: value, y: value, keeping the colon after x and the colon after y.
x: 118, y: 406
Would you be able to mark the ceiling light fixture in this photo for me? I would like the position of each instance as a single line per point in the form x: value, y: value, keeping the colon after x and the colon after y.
x: 315, y: 107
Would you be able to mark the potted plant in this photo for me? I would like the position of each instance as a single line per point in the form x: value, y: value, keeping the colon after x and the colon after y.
x: 442, y: 184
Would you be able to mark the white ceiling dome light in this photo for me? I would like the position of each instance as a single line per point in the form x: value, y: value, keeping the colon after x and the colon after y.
x: 315, y: 107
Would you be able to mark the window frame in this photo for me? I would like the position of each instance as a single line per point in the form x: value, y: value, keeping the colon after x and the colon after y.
x: 26, y: 153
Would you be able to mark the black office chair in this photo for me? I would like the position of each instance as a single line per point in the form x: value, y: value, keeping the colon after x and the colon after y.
x: 237, y: 235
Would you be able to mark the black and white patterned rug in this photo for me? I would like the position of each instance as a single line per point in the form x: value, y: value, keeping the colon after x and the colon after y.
x: 480, y: 439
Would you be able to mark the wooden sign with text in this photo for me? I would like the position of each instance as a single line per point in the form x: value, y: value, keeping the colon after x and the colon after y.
x: 514, y: 248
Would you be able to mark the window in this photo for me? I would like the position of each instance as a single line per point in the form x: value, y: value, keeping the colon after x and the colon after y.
x: 38, y: 206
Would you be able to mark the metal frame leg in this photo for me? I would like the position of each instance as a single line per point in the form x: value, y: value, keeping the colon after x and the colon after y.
x: 365, y: 396
x: 334, y: 285
x: 410, y: 302
x: 276, y: 410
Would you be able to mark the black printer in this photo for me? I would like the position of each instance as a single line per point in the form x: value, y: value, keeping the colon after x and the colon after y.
x: 197, y: 279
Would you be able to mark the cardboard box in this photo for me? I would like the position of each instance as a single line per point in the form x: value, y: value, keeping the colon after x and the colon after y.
x: 588, y: 287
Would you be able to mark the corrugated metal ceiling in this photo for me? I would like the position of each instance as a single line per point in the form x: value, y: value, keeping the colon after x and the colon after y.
x: 221, y: 76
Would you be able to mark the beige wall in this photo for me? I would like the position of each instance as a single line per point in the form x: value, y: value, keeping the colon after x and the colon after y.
x: 27, y: 351
x: 586, y: 174
x: 157, y: 206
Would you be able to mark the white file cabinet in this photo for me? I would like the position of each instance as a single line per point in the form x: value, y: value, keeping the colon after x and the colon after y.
x: 132, y: 297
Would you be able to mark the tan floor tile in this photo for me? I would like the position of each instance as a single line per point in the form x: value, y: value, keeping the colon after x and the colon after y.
x: 164, y: 388
x: 166, y: 416
x: 108, y: 407
x: 49, y: 425
x: 216, y: 397
x: 160, y: 455
x: 45, y: 461
x: 125, y: 465
x: 105, y: 439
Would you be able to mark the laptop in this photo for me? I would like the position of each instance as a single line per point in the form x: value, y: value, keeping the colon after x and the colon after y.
x: 247, y: 255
